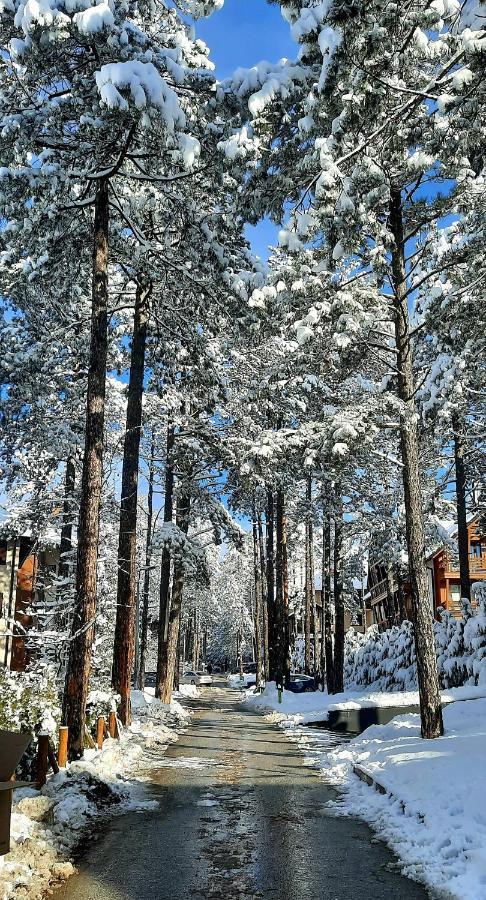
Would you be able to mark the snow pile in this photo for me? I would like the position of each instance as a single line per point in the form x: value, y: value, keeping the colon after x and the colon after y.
x: 386, y: 660
x: 48, y: 825
x: 433, y: 813
x: 188, y: 691
x: 241, y: 681
x: 295, y: 708
x: 314, y: 706
x: 146, y: 704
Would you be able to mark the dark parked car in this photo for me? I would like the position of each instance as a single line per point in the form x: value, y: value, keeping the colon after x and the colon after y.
x: 150, y: 679
x: 250, y: 668
x: 299, y: 684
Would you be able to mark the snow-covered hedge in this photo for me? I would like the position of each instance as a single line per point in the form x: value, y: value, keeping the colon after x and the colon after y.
x: 29, y: 701
x: 386, y: 660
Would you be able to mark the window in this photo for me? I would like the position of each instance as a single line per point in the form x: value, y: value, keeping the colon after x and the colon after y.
x: 475, y: 549
x: 3, y: 553
x: 455, y: 598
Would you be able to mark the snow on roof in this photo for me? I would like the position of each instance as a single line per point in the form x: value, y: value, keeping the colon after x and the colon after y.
x: 447, y: 532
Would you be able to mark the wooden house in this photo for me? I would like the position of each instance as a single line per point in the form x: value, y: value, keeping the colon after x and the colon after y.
x: 20, y: 559
x: 445, y: 568
x: 388, y: 600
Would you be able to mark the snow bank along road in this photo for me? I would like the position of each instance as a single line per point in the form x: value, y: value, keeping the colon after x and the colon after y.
x: 240, y: 817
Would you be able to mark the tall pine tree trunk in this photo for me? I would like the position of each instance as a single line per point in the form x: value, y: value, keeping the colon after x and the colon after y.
x: 285, y: 597
x: 194, y: 641
x: 327, y: 651
x: 177, y: 670
x: 307, y: 599
x: 427, y: 672
x: 266, y: 669
x: 239, y: 652
x: 182, y: 522
x: 79, y: 659
x: 338, y: 680
x: 315, y: 628
x: 258, y: 599
x: 390, y: 595
x: 66, y: 542
x: 197, y: 643
x: 270, y: 570
x: 462, y: 533
x: 315, y: 623
x: 66, y: 545
x: 190, y: 642
x: 146, y: 577
x: 164, y: 598
x: 279, y: 620
x: 323, y: 667
x: 402, y: 610
x: 124, y: 644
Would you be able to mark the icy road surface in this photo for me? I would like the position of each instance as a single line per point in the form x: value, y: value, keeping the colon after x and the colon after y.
x: 240, y: 817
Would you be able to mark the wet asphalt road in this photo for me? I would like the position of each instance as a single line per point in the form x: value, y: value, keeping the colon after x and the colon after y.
x: 240, y: 817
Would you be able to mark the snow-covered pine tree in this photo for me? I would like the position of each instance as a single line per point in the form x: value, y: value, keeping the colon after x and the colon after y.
x: 369, y: 125
x: 83, y: 87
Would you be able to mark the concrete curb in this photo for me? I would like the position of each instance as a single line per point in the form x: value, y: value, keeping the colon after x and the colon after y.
x: 368, y: 779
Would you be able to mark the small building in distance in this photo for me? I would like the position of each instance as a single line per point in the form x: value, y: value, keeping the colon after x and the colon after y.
x: 360, y: 617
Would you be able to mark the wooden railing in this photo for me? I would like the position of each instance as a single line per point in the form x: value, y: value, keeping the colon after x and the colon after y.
x: 476, y: 563
x: 378, y: 590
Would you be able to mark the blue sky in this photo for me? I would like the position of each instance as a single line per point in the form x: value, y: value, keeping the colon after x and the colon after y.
x: 243, y: 33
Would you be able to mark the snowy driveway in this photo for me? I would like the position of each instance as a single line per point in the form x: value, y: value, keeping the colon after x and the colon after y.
x: 240, y: 817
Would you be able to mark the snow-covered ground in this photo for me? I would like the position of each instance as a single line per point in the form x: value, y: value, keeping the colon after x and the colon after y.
x: 433, y: 813
x: 241, y: 681
x: 48, y: 825
x: 314, y: 705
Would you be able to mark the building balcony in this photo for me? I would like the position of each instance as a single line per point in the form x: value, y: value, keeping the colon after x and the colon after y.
x: 477, y: 564
x: 378, y: 591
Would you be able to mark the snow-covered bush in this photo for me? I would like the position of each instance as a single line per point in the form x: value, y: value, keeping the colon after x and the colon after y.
x: 451, y: 655
x: 386, y: 660
x: 29, y: 701
x: 475, y: 636
x: 298, y: 652
x: 383, y: 659
x: 100, y: 703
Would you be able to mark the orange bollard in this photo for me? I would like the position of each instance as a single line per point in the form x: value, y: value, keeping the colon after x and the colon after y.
x: 100, y: 731
x: 42, y: 760
x: 62, y: 752
x: 113, y: 725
